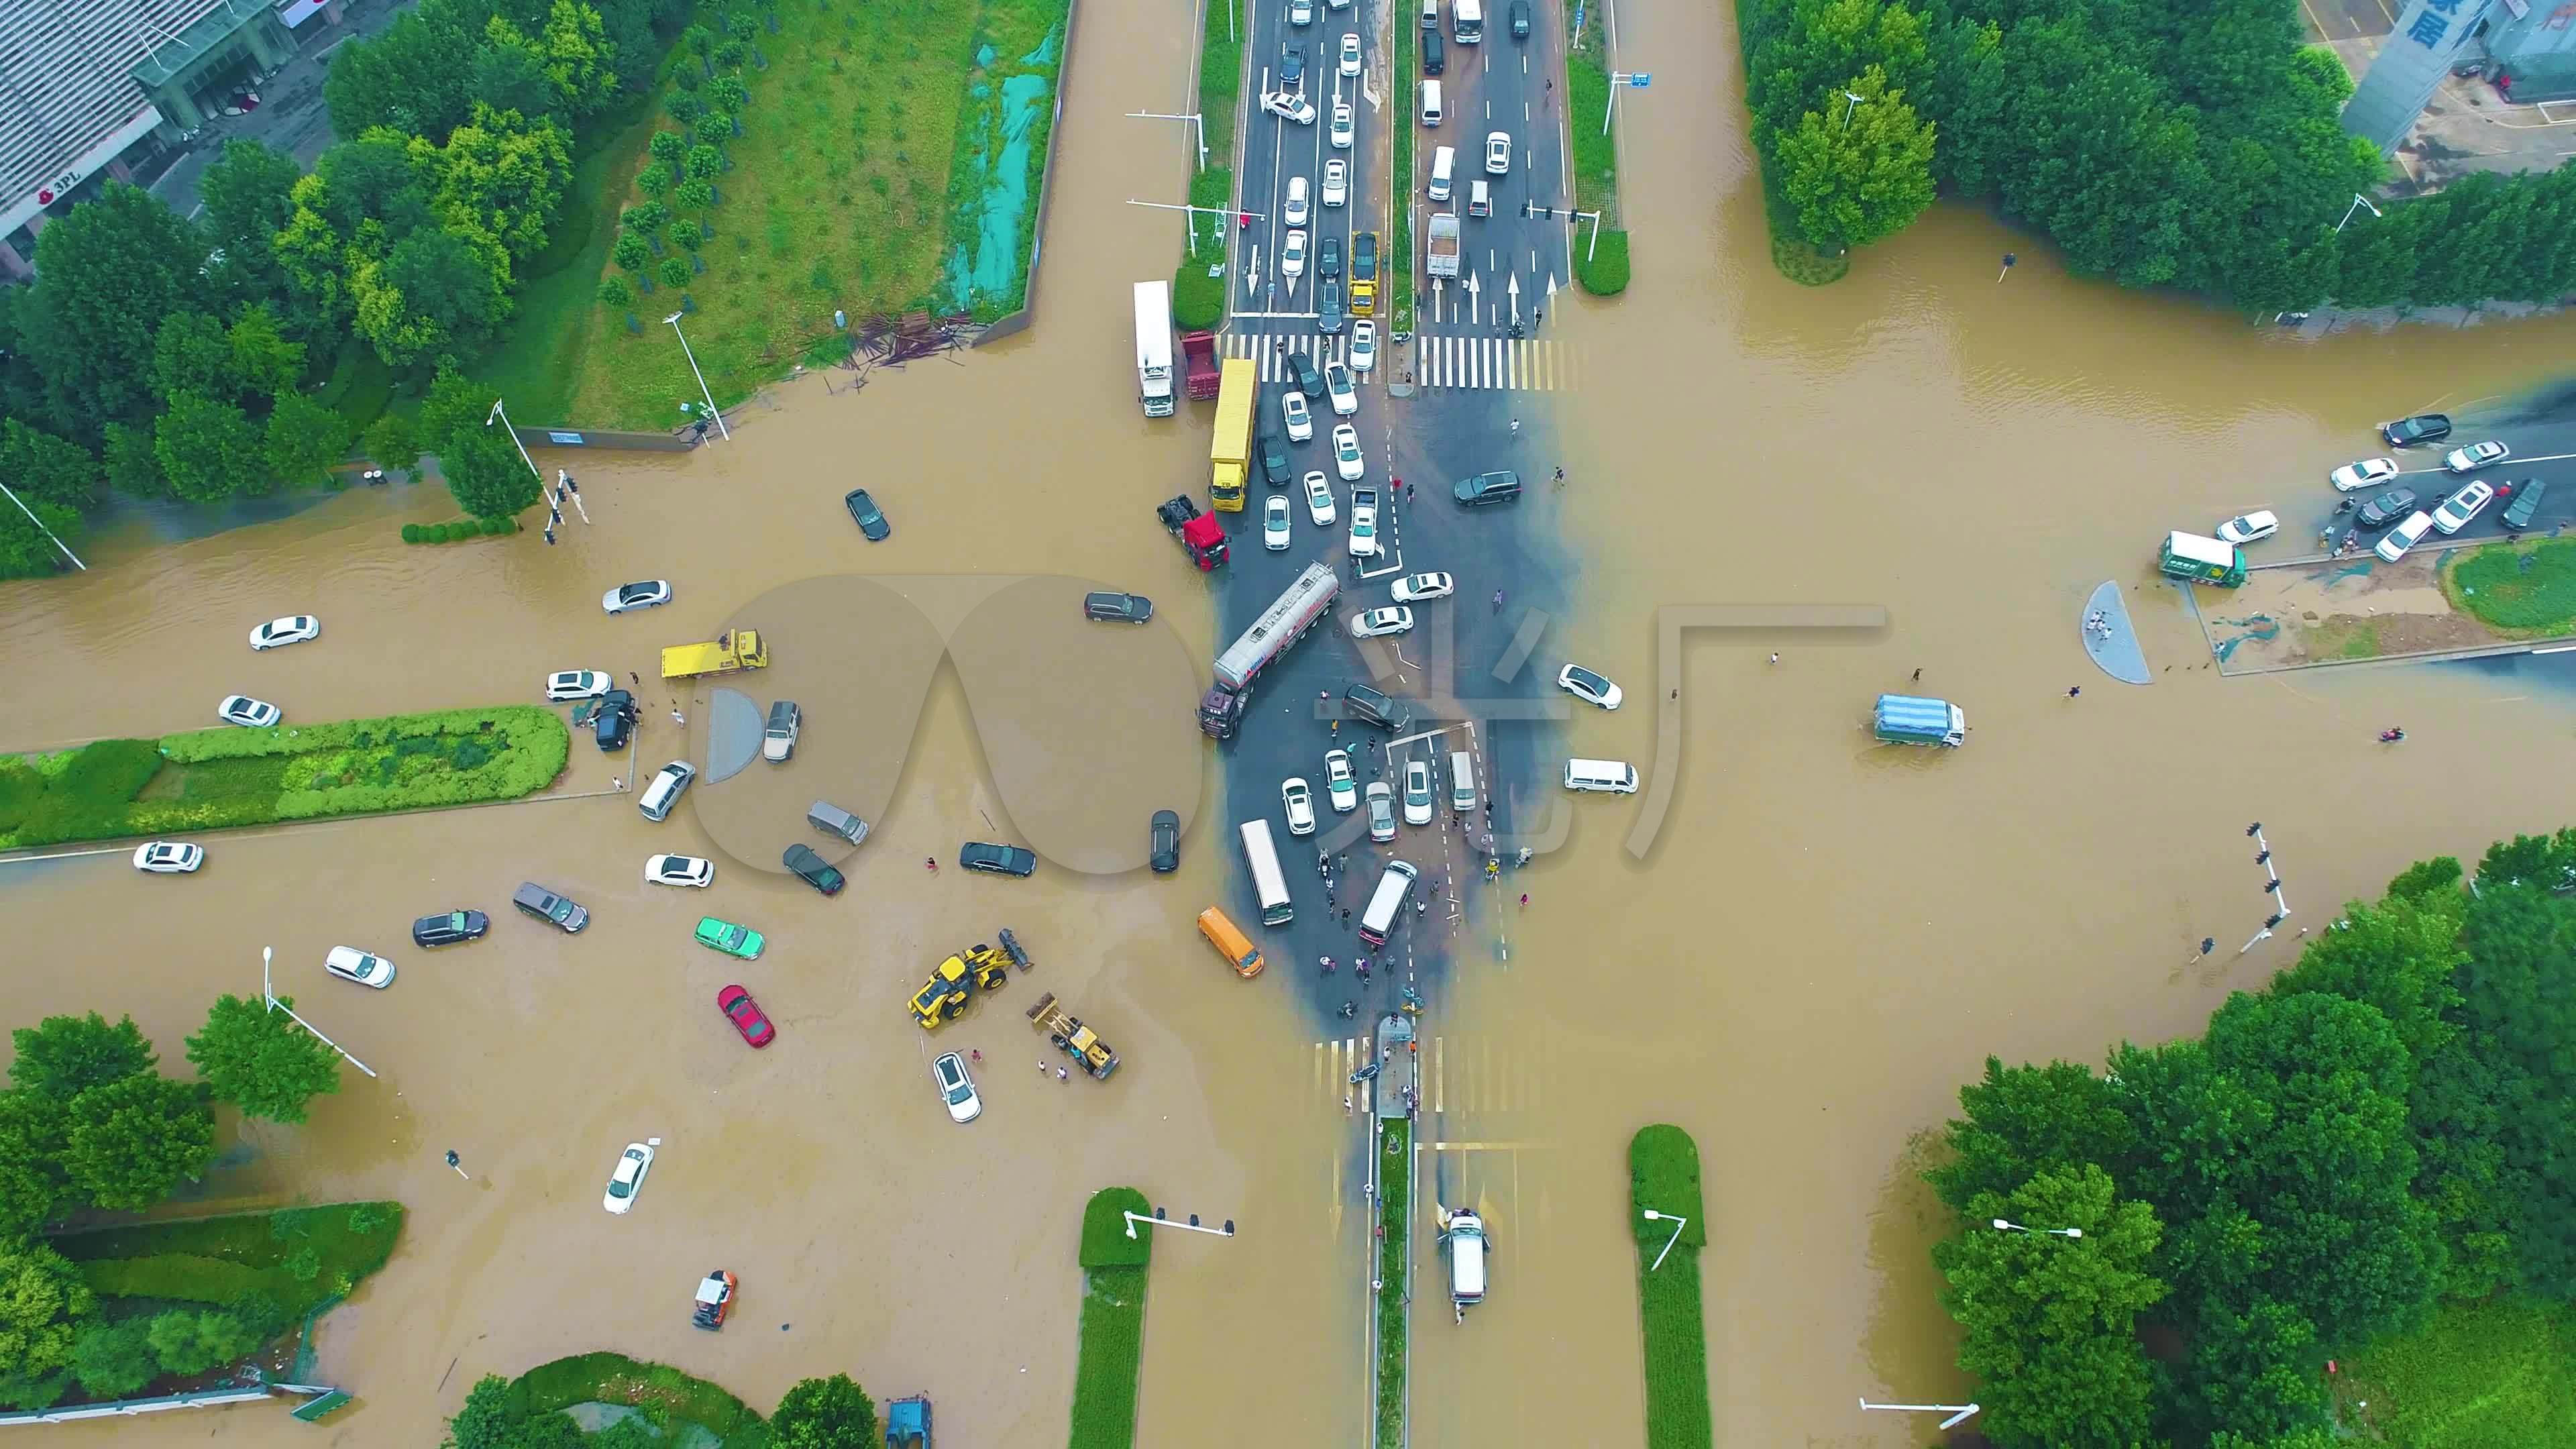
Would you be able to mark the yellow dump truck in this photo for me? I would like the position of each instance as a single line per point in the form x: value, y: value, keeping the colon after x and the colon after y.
x: 1230, y: 456
x: 738, y: 649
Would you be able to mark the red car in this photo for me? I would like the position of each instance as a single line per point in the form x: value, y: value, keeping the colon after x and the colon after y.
x: 744, y: 1013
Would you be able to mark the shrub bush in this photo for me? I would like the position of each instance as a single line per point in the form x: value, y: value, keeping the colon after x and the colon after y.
x: 112, y: 1360
x: 1198, y: 300
x: 90, y: 793
x: 1605, y: 273
x: 20, y: 788
x: 414, y: 533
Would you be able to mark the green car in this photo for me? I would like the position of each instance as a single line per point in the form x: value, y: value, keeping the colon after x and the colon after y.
x: 729, y: 938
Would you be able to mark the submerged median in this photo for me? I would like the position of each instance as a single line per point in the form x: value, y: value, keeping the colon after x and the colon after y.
x: 1666, y: 1214
x: 1113, y: 1321
x: 226, y: 778
x: 1390, y: 1287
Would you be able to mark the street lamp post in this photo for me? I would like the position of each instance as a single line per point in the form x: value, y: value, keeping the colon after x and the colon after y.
x: 1959, y: 1413
x: 270, y: 996
x: 40, y: 527
x: 674, y: 320
x: 1159, y: 1221
x: 1196, y: 123
x: 1679, y: 1223
x: 499, y: 415
x: 1847, y: 110
x: 2002, y: 1226
x: 2359, y: 202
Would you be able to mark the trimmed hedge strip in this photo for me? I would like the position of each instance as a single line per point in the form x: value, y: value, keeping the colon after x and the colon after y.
x: 1663, y: 1174
x: 612, y: 1378
x: 1113, y: 1321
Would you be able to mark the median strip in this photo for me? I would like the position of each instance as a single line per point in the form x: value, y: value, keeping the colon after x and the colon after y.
x: 1399, y: 252
x: 1113, y: 1321
x: 1390, y: 1285
x: 1601, y: 248
x: 1665, y: 1213
x: 1199, y: 286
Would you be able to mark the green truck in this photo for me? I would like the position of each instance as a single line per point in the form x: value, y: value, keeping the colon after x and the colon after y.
x: 2202, y: 560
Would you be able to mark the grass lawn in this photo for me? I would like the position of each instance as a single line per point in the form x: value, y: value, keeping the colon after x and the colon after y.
x: 670, y: 1399
x: 1394, y: 1208
x: 2479, y: 1376
x: 846, y: 192
x: 1601, y: 267
x: 300, y: 1258
x: 2493, y: 585
x: 224, y: 778
x: 1198, y: 300
x: 1395, y: 268
x: 1663, y: 1174
x: 1113, y: 1321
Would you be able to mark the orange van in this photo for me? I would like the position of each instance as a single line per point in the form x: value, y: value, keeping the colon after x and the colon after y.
x: 1230, y: 943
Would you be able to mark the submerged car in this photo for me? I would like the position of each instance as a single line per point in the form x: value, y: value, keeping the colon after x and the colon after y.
x: 956, y: 1088
x: 2247, y: 527
x: 812, y: 869
x: 778, y: 739
x: 241, y: 709
x: 627, y: 598
x: 714, y: 1302
x: 1588, y: 686
x: 169, y: 857
x: 997, y: 859
x: 680, y: 870
x: 364, y: 967
x: 278, y: 633
x: 449, y: 928
x: 2367, y: 473
x: 865, y: 513
x: 2475, y: 456
x: 1108, y: 608
x: 2421, y: 428
x: 627, y: 1178
x: 1163, y: 842
x: 746, y: 1016
x: 577, y: 684
x: 731, y: 939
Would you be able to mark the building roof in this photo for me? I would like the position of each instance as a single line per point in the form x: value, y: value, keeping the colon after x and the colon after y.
x: 70, y: 96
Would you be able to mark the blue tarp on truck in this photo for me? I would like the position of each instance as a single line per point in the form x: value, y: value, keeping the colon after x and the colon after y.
x: 1902, y: 719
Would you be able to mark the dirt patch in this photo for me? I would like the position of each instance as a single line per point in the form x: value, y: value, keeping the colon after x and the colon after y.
x: 2339, y: 610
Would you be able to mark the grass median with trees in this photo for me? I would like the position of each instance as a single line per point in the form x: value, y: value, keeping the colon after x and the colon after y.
x: 1600, y: 263
x: 2521, y: 590
x: 1394, y: 1264
x: 1112, y: 1349
x: 1663, y: 1174
x: 2370, y: 1160
x: 670, y: 1407
x: 1198, y: 299
x: 231, y: 777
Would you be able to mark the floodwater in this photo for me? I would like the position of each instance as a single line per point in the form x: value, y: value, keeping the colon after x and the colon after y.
x: 1821, y: 944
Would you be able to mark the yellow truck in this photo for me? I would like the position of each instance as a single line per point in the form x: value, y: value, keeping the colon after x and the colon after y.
x: 736, y: 649
x: 1230, y: 456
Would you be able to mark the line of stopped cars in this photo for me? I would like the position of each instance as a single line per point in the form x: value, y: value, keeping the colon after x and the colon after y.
x: 2401, y: 516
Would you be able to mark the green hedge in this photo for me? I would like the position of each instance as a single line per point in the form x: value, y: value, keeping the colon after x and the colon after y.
x: 1396, y: 266
x: 1602, y: 269
x: 86, y: 792
x: 458, y: 530
x: 613, y: 1378
x: 1198, y: 300
x: 1113, y: 1321
x: 297, y: 1258
x: 1663, y: 1174
x: 1395, y: 1214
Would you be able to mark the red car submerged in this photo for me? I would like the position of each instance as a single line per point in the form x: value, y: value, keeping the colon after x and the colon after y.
x: 745, y: 1015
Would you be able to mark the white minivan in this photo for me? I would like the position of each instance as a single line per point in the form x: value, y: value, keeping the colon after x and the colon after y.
x: 1387, y: 901
x: 1480, y: 198
x: 1443, y: 161
x: 1462, y: 782
x: 1431, y: 103
x: 1615, y: 776
x: 664, y: 792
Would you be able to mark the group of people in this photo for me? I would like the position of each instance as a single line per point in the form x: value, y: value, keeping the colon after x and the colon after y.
x: 2098, y: 624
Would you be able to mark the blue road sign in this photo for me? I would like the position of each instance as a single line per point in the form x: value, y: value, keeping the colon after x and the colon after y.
x: 1641, y: 79
x: 1578, y: 17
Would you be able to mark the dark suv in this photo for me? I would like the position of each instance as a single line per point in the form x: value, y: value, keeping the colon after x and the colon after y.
x: 1487, y: 488
x: 1309, y: 381
x: 612, y: 719
x: 814, y: 869
x: 1117, y: 608
x: 545, y: 905
x: 1362, y: 702
x: 997, y: 859
x: 449, y: 927
x: 2387, y: 508
x: 2421, y: 428
x: 1163, y: 842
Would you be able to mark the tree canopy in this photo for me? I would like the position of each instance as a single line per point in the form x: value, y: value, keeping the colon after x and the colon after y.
x: 261, y: 1061
x: 832, y: 1413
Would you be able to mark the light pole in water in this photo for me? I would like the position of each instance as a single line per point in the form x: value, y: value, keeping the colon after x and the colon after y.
x: 2271, y: 887
x: 674, y: 320
x: 40, y: 527
x: 1159, y: 1221
x: 1959, y: 1413
x: 270, y: 996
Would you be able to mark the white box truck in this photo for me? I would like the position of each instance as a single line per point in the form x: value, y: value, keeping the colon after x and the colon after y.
x: 1154, y: 347
x: 1467, y: 21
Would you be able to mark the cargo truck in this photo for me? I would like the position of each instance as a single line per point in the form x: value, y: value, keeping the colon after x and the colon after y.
x: 1467, y: 21
x: 1154, y: 348
x: 1905, y: 720
x: 736, y: 649
x: 1199, y: 534
x: 1285, y: 622
x: 1444, y: 244
x: 1230, y: 456
x: 1198, y: 354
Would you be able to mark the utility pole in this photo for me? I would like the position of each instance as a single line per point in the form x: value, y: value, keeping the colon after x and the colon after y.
x: 40, y: 527
x: 503, y: 418
x: 712, y: 411
x: 270, y: 996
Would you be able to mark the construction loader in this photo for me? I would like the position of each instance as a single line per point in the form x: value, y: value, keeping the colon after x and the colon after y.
x: 954, y: 984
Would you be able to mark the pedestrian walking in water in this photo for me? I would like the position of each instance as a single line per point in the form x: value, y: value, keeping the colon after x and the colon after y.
x: 2074, y: 690
x: 1346, y: 1104
x: 639, y: 680
x: 1042, y: 1066
x: 1918, y: 676
x: 975, y: 1056
x: 1516, y: 427
x: 1498, y: 600
x: 1775, y: 656
x: 930, y: 863
x: 1062, y: 1075
x: 1525, y: 900
x: 678, y: 718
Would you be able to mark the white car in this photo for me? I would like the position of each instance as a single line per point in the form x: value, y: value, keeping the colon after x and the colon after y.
x: 1378, y: 623
x: 1346, y: 453
x: 1300, y: 803
x: 1381, y: 811
x: 628, y: 1178
x: 627, y: 598
x: 1301, y: 12
x: 1417, y: 793
x: 1300, y: 420
x: 278, y: 633
x: 1498, y: 152
x: 1343, y: 128
x: 1274, y: 523
x: 1363, y: 346
x: 2460, y: 507
x: 1344, y: 392
x: 578, y: 684
x: 1295, y: 207
x: 1292, y: 256
x: 2393, y: 544
x: 364, y: 967
x: 1319, y: 500
x: 680, y: 870
x: 1587, y: 686
x: 1289, y: 106
x: 1414, y: 588
x: 1363, y: 541
x: 2247, y: 527
x: 243, y: 710
x: 956, y: 1088
x: 169, y: 857
x: 1350, y: 53
x: 1338, y: 787
x: 2368, y: 473
x: 2475, y: 456
x: 1337, y: 182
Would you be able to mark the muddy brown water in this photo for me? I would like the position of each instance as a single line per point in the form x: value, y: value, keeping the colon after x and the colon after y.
x: 1820, y: 946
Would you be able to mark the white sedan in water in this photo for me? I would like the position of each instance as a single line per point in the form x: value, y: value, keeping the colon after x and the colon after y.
x: 1414, y: 588
x: 1300, y: 804
x: 680, y: 870
x: 627, y: 1179
x: 169, y: 857
x: 1378, y: 623
x: 1588, y: 686
x: 2368, y: 473
x: 278, y: 633
x: 2247, y: 528
x: 627, y: 598
x: 241, y: 709
x: 1319, y: 499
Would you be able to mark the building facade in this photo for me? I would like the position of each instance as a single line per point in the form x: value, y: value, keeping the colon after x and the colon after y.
x: 2431, y: 37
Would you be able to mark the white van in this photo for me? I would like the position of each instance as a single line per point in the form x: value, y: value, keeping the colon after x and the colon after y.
x: 664, y: 792
x: 1463, y: 1233
x: 1431, y: 14
x: 1615, y: 776
x: 1480, y: 198
x: 1431, y: 103
x: 1462, y: 782
x: 1443, y: 161
x: 1387, y: 902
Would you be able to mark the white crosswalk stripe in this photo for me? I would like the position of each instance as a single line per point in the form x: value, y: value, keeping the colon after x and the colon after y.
x: 1264, y: 348
x: 1501, y: 363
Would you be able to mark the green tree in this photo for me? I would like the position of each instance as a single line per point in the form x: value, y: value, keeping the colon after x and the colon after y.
x: 631, y: 252
x: 112, y: 1360
x: 305, y: 439
x: 32, y: 1185
x: 392, y: 443
x: 614, y: 294
x: 645, y: 219
x: 436, y: 295
x: 513, y: 78
x: 39, y: 465
x: 500, y: 175
x: 730, y: 54
x: 701, y: 43
x: 1864, y: 175
x: 261, y: 1061
x: 832, y: 1413
x: 1798, y: 68
x: 2026, y: 1120
x: 189, y: 1341
x: 704, y: 162
x: 2435, y: 879
x: 25, y: 552
x: 483, y: 1421
x: 654, y: 180
x: 209, y: 450
x: 486, y: 474
x: 249, y: 194
x: 263, y: 360
x: 42, y: 1303
x: 2519, y: 1008
x: 133, y: 468
x: 134, y: 1141
x: 717, y: 128
x: 191, y: 354
x: 698, y: 195
x: 683, y: 107
x: 413, y: 77
x: 675, y: 272
x: 729, y: 93
x: 2050, y: 1323
x: 667, y: 146
x: 63, y: 1056
x: 578, y: 57
x: 106, y: 275
x: 452, y: 403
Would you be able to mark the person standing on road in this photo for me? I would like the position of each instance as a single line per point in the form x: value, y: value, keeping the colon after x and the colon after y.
x: 1516, y: 427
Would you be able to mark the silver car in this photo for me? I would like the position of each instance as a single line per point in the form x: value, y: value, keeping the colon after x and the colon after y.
x: 1381, y: 811
x: 1417, y: 793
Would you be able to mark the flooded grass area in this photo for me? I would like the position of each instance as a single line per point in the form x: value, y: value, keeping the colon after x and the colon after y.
x: 2522, y: 590
x: 297, y: 1258
x: 1663, y: 1177
x: 1393, y: 1286
x: 1114, y: 1267
x: 2340, y: 610
x: 2478, y: 1376
x: 673, y: 1402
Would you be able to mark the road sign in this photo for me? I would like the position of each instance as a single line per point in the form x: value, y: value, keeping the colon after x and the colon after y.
x: 1578, y: 17
x: 1641, y: 80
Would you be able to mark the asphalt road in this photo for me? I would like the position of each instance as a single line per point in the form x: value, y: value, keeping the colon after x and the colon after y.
x: 1511, y: 262
x: 1275, y: 149
x: 2545, y: 451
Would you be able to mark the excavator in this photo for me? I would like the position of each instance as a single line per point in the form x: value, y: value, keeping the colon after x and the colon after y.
x: 955, y: 982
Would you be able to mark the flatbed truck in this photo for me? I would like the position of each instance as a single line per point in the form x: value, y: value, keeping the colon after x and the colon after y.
x: 733, y: 650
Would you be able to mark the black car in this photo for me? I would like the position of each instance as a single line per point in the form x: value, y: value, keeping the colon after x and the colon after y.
x: 1520, y: 19
x: 864, y: 512
x: 2421, y: 428
x: 802, y: 860
x: 1309, y: 381
x: 997, y: 859
x: 1328, y: 307
x: 1364, y: 257
x: 2387, y: 508
x: 1163, y: 843
x: 545, y: 905
x: 612, y: 719
x: 2526, y: 503
x: 1487, y: 488
x: 1328, y: 258
x: 1274, y: 459
x: 1292, y: 67
x: 1362, y: 702
x: 449, y: 928
x: 1117, y: 608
